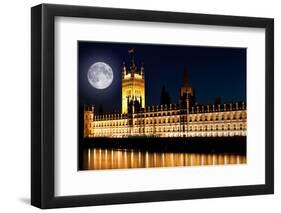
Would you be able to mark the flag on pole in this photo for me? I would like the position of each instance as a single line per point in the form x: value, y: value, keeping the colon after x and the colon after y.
x: 132, y: 50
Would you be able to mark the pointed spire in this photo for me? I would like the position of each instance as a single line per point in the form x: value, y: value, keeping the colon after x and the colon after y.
x: 142, y: 68
x: 124, y: 70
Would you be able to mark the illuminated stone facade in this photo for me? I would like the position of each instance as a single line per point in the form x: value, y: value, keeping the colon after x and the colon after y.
x: 184, y: 119
x: 133, y: 86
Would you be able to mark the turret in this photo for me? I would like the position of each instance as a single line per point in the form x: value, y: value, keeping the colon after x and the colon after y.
x: 89, y: 112
x: 124, y: 70
x: 186, y: 92
x: 142, y: 70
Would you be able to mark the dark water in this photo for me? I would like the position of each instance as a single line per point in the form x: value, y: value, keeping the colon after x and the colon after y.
x: 97, y: 158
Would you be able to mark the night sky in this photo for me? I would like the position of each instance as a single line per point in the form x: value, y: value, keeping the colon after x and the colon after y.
x: 213, y: 72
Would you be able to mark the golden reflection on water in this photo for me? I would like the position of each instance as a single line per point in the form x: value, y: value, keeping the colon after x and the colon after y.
x: 97, y: 158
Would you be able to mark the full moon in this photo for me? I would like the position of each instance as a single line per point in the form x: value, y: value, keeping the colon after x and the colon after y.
x: 100, y: 75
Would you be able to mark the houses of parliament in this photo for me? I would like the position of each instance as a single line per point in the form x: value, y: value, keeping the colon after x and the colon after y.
x: 183, y: 119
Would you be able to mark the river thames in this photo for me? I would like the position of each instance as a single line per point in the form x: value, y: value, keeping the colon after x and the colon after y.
x: 101, y: 158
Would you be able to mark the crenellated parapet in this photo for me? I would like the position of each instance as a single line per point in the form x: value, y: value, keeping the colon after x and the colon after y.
x: 236, y: 106
x: 112, y: 116
x: 174, y: 109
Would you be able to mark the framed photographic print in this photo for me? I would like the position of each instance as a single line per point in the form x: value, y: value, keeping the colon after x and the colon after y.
x: 139, y: 106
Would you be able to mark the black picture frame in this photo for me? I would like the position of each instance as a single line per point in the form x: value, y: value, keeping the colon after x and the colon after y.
x: 43, y: 111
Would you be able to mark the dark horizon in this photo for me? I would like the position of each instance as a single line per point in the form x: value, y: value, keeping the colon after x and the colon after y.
x: 213, y: 72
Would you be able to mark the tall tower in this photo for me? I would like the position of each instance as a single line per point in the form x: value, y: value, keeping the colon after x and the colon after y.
x: 133, y: 84
x: 88, y: 120
x: 186, y: 91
